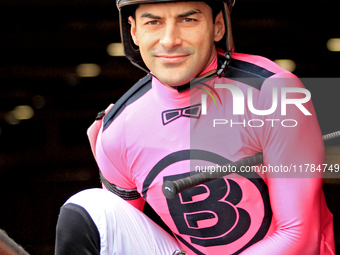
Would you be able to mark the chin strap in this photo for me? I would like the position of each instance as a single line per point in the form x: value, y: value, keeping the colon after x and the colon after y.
x: 223, y: 69
x: 220, y: 72
x: 142, y: 68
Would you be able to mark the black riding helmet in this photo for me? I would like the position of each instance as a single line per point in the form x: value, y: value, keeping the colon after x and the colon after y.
x: 131, y: 50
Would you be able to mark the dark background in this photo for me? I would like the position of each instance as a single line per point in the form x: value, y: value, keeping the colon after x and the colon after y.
x: 46, y: 159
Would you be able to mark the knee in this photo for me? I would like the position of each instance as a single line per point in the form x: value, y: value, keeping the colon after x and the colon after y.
x: 83, y: 221
x: 96, y: 201
x: 76, y: 232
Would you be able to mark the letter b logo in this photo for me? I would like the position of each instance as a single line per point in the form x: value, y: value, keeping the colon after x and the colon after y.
x: 209, y: 214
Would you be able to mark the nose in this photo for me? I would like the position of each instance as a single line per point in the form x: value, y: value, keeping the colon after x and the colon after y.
x: 171, y: 36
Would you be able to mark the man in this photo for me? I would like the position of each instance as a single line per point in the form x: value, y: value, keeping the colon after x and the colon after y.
x: 165, y: 126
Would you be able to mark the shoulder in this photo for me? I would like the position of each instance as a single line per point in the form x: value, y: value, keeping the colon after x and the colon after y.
x: 254, y: 70
x: 134, y: 93
x: 255, y: 63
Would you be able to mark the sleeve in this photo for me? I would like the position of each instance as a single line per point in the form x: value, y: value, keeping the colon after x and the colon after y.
x: 108, y: 171
x: 297, y: 199
x: 94, y: 129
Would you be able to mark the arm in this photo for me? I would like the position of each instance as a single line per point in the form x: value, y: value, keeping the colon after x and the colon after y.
x: 129, y: 195
x: 94, y: 134
x: 296, y: 201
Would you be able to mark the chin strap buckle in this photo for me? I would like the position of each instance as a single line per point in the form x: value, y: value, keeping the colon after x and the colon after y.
x: 178, y: 252
x: 220, y: 72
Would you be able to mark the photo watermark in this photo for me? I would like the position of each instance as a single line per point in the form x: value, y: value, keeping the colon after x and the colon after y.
x: 277, y: 118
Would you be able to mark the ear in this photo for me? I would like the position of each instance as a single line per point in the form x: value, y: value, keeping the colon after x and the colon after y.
x: 219, y: 27
x: 133, y: 30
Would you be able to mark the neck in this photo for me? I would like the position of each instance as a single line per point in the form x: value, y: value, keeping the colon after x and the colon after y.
x: 209, y: 71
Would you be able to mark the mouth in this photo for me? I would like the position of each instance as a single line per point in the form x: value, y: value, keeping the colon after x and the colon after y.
x: 172, y: 59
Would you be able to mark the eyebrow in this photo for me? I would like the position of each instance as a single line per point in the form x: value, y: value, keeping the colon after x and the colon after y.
x: 183, y: 15
x: 150, y: 16
x: 189, y: 13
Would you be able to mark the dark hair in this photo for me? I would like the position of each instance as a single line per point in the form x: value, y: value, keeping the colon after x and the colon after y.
x: 131, y: 10
x: 216, y: 7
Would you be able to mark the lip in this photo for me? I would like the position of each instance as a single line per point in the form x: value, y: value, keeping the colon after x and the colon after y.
x: 172, y: 58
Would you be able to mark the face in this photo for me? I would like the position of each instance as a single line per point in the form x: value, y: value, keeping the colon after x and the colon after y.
x: 176, y: 40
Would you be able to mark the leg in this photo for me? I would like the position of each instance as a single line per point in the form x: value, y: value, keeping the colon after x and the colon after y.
x: 96, y: 221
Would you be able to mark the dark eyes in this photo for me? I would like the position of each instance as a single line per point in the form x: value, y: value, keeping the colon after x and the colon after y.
x: 158, y: 22
x: 188, y: 20
x: 153, y: 22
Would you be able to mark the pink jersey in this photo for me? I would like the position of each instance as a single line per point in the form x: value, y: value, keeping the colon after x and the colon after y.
x: 160, y: 134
